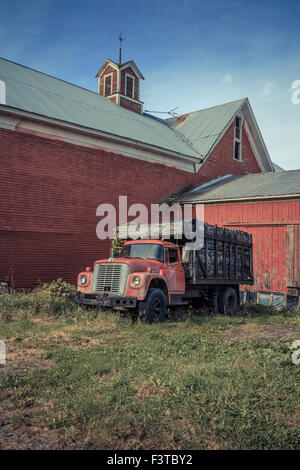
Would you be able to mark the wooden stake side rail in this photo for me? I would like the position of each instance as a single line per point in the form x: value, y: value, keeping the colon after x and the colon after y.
x: 226, y: 258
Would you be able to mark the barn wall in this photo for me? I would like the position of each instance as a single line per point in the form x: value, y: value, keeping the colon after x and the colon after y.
x: 130, y: 105
x: 49, y: 194
x: 221, y: 161
x: 275, y: 227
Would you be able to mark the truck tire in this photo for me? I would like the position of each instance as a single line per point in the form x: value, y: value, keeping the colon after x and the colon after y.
x: 153, y: 310
x: 228, y: 301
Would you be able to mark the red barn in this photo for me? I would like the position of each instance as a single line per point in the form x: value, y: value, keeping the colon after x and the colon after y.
x: 64, y: 150
x: 267, y: 206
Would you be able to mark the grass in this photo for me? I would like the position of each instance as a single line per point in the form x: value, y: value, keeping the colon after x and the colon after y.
x: 92, y: 379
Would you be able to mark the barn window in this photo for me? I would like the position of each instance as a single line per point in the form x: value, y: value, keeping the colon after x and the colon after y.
x: 237, y: 150
x: 129, y: 85
x: 238, y: 127
x: 237, y: 145
x: 107, y: 85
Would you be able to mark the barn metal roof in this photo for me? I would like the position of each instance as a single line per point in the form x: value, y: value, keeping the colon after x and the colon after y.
x: 277, y: 167
x: 191, y: 136
x: 41, y: 94
x: 203, y: 128
x: 254, y: 186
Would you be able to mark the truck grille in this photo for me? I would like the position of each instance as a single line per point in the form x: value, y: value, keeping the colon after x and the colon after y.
x: 110, y: 278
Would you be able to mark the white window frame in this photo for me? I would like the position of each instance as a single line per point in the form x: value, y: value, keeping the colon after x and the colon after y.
x: 133, y: 85
x: 104, y: 88
x: 236, y: 139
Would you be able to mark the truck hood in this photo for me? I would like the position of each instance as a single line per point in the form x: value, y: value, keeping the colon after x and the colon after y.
x: 135, y: 264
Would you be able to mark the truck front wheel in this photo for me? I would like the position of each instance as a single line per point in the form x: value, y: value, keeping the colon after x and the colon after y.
x: 228, y: 301
x: 153, y: 310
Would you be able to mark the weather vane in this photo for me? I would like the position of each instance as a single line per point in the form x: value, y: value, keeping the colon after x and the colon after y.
x: 121, y: 39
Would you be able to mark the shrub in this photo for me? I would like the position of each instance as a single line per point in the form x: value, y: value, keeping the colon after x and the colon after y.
x: 51, y: 299
x: 117, y: 246
x: 252, y: 309
x: 59, y: 288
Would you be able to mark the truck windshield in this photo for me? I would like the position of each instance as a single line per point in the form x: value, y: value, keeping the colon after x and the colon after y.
x: 143, y: 250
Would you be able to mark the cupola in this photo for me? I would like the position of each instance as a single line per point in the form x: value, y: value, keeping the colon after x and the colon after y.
x: 120, y: 83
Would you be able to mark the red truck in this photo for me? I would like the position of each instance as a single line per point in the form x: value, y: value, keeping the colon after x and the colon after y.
x: 150, y: 275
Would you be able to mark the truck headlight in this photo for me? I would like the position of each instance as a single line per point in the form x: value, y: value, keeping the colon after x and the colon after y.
x: 82, y: 280
x: 135, y: 282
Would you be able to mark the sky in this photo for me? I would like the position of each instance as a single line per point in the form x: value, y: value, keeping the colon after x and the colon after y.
x: 193, y: 54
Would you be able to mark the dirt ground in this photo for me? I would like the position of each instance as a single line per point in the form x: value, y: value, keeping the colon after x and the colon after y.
x: 21, y: 431
x: 262, y: 332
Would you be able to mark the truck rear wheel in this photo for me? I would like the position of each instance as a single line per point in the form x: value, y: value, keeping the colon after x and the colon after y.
x: 228, y: 302
x: 153, y: 310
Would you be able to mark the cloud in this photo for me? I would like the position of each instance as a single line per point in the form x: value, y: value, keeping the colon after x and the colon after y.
x: 227, y: 78
x: 266, y: 87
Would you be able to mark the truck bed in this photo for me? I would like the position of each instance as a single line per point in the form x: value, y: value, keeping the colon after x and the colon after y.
x: 226, y: 258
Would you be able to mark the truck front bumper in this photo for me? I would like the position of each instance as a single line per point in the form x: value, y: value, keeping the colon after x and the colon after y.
x: 104, y: 300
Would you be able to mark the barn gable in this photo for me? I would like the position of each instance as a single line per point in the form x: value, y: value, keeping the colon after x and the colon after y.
x: 204, y: 129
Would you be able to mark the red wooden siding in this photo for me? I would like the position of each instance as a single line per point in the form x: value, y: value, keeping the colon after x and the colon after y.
x: 50, y: 190
x: 113, y: 99
x: 130, y: 71
x: 275, y: 227
x: 221, y: 161
x: 108, y: 71
x: 131, y: 105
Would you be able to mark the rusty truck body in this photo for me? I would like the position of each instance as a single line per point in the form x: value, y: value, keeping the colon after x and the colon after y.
x: 147, y: 276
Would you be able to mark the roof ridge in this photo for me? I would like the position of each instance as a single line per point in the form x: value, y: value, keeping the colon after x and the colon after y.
x: 210, y: 107
x: 47, y: 75
x: 60, y: 94
x: 274, y: 173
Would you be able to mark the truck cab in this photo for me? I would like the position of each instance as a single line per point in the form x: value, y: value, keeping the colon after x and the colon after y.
x: 146, y: 276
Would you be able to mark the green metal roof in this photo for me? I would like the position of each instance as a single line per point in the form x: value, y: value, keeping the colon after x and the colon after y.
x: 277, y: 167
x: 203, y: 128
x: 191, y: 136
x: 41, y: 94
x: 258, y: 185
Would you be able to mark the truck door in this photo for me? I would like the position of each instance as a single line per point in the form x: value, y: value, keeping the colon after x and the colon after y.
x: 175, y: 272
